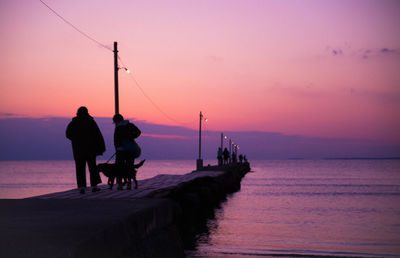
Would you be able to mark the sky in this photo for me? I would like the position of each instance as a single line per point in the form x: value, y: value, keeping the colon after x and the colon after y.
x: 327, y: 69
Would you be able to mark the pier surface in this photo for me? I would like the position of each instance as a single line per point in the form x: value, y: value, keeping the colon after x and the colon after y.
x: 146, y: 188
x: 151, y: 221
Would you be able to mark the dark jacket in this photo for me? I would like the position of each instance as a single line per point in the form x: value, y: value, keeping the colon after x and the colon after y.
x: 125, y: 131
x: 85, y: 136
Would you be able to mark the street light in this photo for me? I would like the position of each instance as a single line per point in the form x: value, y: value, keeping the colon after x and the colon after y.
x: 223, y: 137
x: 126, y: 69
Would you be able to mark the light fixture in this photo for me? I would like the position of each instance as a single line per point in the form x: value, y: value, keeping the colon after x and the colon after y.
x: 126, y: 69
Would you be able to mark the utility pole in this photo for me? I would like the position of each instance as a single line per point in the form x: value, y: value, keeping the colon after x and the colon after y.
x: 199, y: 163
x: 116, y: 78
x: 230, y: 150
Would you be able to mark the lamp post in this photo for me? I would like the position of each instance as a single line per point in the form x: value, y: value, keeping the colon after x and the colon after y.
x: 199, y: 163
x: 230, y: 150
x: 222, y: 141
x: 116, y: 78
x: 116, y: 68
x: 223, y: 137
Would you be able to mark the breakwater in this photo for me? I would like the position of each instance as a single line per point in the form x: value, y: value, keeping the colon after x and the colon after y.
x: 198, y: 198
x: 160, y: 219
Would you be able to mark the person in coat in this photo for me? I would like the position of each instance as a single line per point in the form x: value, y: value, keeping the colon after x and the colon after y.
x: 225, y: 154
x: 219, y: 156
x: 87, y: 143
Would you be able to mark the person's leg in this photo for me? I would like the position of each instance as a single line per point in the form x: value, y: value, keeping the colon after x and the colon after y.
x: 95, y: 178
x: 80, y: 165
x: 134, y: 179
x: 119, y: 162
x: 130, y: 161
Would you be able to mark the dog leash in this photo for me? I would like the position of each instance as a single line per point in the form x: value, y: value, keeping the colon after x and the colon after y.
x: 111, y: 158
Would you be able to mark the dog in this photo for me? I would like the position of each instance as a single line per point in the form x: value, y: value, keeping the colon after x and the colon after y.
x: 112, y: 171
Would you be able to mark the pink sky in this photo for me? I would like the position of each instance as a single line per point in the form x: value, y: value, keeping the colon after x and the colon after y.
x: 314, y: 68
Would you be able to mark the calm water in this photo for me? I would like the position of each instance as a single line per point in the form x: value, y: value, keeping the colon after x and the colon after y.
x: 297, y: 207
x: 21, y: 179
x: 336, y: 207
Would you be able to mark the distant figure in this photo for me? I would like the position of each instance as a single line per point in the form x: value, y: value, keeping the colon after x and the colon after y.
x: 226, y: 156
x: 234, y: 157
x: 245, y: 159
x: 126, y: 147
x: 219, y: 156
x: 87, y: 143
x: 241, y: 158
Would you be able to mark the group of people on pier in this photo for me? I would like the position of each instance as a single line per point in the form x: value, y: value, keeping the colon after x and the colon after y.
x: 88, y: 142
x: 225, y: 158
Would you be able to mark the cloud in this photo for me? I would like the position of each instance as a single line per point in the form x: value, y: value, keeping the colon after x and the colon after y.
x: 7, y: 115
x: 387, y: 50
x: 384, y: 51
x: 44, y: 139
x: 362, y: 52
x: 336, y: 52
x: 163, y: 136
x: 383, y: 97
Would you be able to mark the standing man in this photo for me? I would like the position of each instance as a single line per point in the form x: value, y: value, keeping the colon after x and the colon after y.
x: 226, y: 156
x: 87, y: 143
x: 126, y: 147
x: 219, y: 156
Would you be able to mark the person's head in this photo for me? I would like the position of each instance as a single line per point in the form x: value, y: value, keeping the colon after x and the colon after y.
x: 82, y: 111
x: 117, y: 118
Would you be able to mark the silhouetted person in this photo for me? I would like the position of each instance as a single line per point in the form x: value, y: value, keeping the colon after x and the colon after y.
x: 226, y: 156
x: 126, y: 148
x: 234, y: 157
x: 87, y: 143
x: 219, y: 156
x: 241, y: 158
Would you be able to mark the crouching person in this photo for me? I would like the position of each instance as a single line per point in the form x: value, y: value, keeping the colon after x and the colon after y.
x: 126, y: 148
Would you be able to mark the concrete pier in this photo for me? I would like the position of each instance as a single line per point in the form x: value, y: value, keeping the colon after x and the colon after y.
x: 157, y: 220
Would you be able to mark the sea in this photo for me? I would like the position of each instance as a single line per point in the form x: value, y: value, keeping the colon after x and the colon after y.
x: 286, y: 208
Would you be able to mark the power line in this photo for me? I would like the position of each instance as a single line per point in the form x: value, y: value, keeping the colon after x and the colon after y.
x: 75, y: 28
x: 150, y: 100
x: 109, y: 48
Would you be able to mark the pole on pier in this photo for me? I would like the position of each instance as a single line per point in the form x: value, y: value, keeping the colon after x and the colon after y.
x: 222, y: 141
x: 116, y: 78
x: 199, y: 163
x: 230, y: 150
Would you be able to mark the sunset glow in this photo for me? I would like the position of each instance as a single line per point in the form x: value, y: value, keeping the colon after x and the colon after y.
x: 313, y: 68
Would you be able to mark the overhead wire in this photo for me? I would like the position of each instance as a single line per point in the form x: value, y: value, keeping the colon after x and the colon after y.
x: 76, y: 28
x: 151, y: 101
x: 110, y: 49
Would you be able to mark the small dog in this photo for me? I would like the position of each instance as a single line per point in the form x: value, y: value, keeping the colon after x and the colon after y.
x: 112, y: 171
